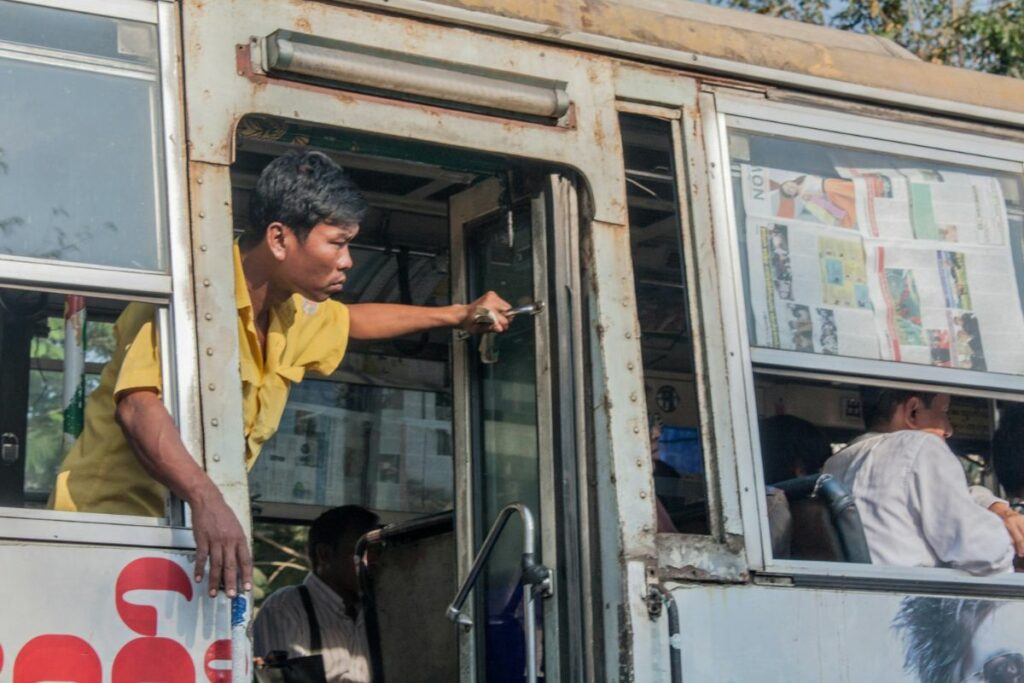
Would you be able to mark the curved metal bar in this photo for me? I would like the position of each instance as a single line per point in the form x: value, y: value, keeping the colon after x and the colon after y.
x: 536, y: 578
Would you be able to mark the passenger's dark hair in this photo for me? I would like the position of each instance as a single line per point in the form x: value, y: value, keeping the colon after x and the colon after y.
x: 790, y: 446
x: 1008, y: 449
x: 347, y: 522
x: 300, y: 190
x: 879, y: 404
x: 937, y: 634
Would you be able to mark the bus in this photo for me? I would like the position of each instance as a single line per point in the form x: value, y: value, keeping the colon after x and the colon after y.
x: 716, y: 217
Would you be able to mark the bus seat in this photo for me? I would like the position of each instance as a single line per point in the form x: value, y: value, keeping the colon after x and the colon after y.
x: 406, y: 590
x: 825, y: 522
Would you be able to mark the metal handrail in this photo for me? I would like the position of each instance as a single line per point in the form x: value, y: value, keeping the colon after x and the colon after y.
x: 536, y: 579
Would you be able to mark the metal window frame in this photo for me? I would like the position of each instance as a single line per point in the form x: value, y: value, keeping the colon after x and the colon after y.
x: 172, y: 292
x: 720, y: 109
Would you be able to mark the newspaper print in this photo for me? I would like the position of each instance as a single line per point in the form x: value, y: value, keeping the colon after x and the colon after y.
x: 908, y: 265
x: 812, y: 290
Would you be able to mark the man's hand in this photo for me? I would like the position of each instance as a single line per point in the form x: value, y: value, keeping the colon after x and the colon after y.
x: 486, y: 314
x: 220, y: 538
x: 1014, y: 523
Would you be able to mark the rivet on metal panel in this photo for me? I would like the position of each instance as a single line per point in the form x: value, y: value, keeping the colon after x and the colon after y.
x: 215, y: 422
x: 216, y: 458
x: 633, y: 397
x: 202, y: 247
x: 636, y: 429
x: 208, y: 316
x: 209, y: 350
x: 199, y: 181
x: 629, y: 366
x: 639, y: 463
x: 211, y: 386
x: 206, y: 282
x: 629, y: 335
x: 643, y: 494
x: 202, y: 214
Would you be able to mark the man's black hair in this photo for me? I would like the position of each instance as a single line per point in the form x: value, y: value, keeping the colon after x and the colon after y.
x: 879, y: 404
x: 789, y: 444
x: 1008, y: 449
x: 937, y: 634
x: 347, y: 522
x: 301, y: 190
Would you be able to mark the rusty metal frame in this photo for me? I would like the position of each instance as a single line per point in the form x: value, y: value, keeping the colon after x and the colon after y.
x: 222, y: 80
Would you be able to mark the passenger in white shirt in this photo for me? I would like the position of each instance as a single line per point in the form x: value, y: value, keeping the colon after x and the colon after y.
x: 911, y: 492
x: 282, y: 623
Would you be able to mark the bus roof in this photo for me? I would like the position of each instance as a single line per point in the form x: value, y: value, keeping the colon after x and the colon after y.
x: 729, y: 42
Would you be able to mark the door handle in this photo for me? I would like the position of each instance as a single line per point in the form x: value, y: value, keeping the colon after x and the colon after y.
x: 10, y: 449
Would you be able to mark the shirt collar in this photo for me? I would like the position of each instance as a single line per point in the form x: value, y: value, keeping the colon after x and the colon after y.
x: 324, y: 593
x: 242, y: 300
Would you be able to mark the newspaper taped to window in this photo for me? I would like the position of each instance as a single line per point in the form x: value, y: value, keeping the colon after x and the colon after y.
x: 907, y: 264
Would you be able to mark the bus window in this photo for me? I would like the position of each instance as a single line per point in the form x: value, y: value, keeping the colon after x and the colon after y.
x: 81, y: 182
x: 84, y: 230
x: 659, y: 272
x: 884, y: 264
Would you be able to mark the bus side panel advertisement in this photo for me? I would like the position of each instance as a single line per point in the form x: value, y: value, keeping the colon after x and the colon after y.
x: 780, y: 634
x: 99, y: 614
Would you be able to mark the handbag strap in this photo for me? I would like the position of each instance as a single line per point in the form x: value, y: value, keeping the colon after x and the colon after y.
x: 314, y: 627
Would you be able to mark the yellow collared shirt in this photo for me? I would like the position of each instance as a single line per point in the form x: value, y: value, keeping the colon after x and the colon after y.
x: 101, y: 473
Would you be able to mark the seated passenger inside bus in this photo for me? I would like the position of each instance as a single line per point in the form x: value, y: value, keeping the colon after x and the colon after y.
x: 289, y: 263
x: 915, y: 505
x: 318, y: 626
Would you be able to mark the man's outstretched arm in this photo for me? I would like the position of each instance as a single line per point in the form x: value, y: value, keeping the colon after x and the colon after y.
x: 386, y: 321
x: 154, y: 437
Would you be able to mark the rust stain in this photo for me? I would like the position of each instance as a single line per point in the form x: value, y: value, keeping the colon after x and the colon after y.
x: 302, y: 24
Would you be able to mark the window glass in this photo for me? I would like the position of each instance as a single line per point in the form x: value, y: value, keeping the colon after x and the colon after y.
x: 655, y: 234
x: 877, y: 256
x: 385, y: 448
x: 80, y: 161
x: 46, y: 442
x: 53, y: 350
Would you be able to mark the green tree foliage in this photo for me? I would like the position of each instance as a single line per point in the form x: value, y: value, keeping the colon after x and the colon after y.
x: 982, y: 35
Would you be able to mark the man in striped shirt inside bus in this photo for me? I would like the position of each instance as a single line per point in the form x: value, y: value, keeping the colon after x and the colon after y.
x: 322, y: 616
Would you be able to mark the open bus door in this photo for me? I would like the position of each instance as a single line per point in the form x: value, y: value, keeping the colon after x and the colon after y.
x: 506, y: 436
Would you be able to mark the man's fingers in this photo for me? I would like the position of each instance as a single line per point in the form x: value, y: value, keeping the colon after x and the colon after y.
x: 231, y: 572
x: 216, y: 567
x: 202, y: 553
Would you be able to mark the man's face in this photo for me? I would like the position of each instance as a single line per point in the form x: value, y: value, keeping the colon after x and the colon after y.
x: 316, y: 267
x: 932, y: 418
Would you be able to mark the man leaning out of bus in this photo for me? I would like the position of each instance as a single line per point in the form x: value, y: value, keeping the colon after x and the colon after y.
x: 294, y: 256
x: 910, y: 490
